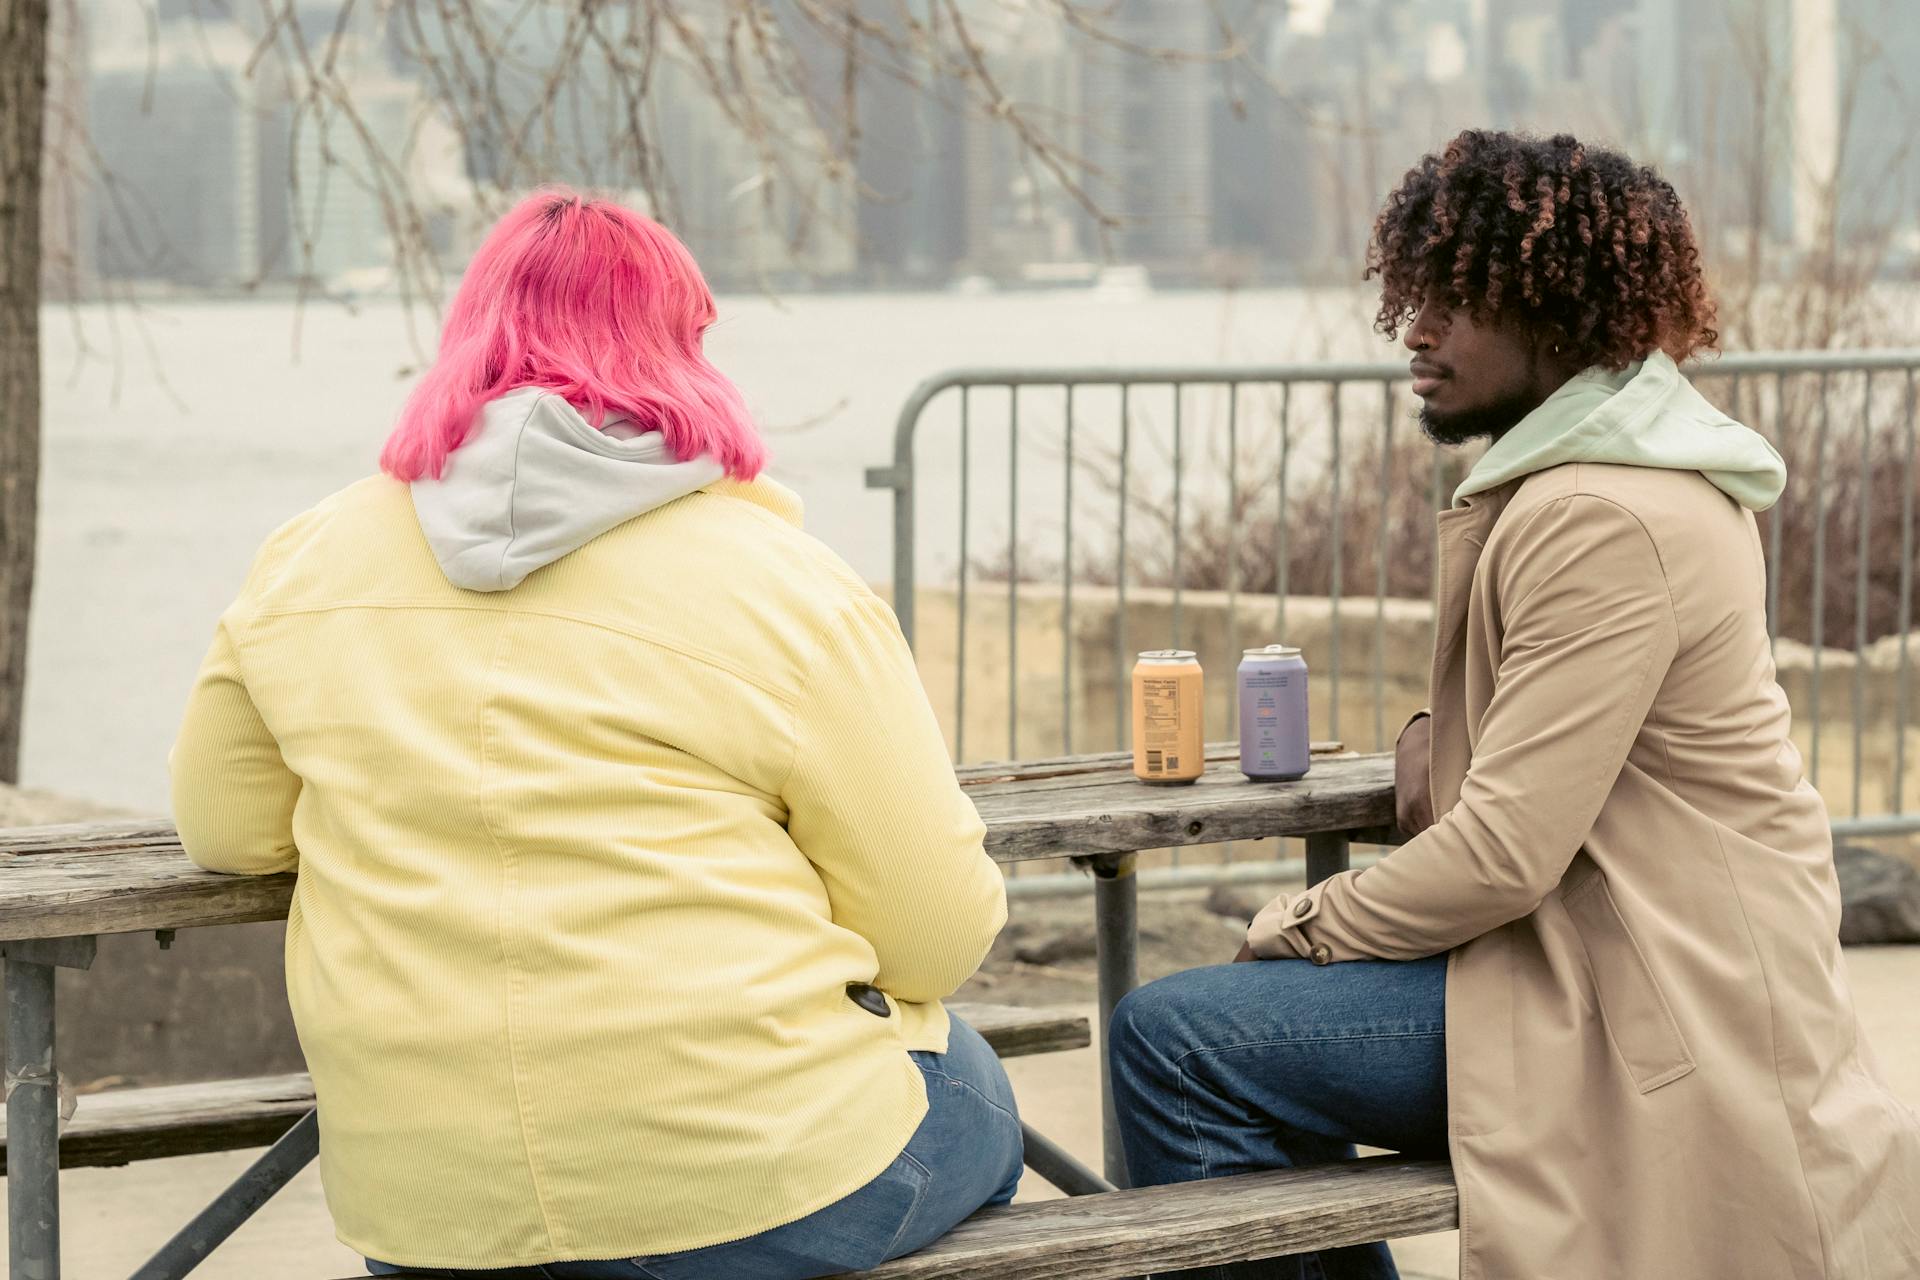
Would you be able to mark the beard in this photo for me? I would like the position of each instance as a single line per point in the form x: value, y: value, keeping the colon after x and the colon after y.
x: 1463, y: 426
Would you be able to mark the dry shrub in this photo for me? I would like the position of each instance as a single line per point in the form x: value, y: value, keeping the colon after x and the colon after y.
x: 1864, y: 468
x: 1387, y: 533
x: 1245, y: 545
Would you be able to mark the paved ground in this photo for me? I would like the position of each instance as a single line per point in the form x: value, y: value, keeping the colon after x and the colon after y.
x: 115, y: 1217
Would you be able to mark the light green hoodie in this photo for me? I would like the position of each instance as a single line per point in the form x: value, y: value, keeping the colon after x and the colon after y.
x: 1647, y: 415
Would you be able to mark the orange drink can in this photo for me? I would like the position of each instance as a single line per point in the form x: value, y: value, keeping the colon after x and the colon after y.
x: 1169, y: 705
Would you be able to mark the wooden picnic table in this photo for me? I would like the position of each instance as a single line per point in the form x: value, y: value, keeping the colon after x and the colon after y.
x: 61, y: 887
x: 130, y: 877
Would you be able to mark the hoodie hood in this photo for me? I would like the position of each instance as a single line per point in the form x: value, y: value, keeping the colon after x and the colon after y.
x: 1646, y: 415
x: 536, y: 480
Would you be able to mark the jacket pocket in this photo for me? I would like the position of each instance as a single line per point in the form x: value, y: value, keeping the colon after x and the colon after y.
x: 1638, y: 1019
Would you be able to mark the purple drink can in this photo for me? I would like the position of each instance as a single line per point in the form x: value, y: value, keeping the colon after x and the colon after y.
x: 1273, y: 715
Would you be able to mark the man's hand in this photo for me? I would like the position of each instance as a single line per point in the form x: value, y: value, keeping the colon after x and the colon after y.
x: 1412, y: 786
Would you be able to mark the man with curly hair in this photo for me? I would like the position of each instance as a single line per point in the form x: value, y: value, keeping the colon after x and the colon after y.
x: 1603, y: 973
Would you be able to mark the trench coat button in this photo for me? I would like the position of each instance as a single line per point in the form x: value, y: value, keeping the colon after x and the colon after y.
x: 1302, y: 907
x: 1322, y: 954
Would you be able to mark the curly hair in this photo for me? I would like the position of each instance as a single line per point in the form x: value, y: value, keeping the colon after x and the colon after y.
x: 1585, y: 248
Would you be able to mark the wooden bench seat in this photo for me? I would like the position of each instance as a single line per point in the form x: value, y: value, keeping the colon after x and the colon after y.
x: 226, y: 1115
x: 1157, y: 1229
x: 1194, y: 1224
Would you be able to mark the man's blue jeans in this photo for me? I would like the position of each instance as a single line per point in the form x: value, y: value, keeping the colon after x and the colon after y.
x: 965, y: 1154
x: 1277, y: 1063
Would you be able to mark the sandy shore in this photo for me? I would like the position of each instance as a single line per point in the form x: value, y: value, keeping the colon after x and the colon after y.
x: 115, y: 1217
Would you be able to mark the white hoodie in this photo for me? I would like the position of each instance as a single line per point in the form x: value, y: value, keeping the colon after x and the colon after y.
x: 536, y: 480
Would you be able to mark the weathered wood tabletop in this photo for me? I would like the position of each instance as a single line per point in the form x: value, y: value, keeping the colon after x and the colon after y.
x: 129, y: 877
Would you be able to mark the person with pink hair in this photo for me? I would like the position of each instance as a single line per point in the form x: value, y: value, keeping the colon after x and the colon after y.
x: 632, y: 866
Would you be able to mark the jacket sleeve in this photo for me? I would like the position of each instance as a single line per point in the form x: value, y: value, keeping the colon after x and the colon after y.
x: 1588, y: 633
x: 873, y: 803
x: 233, y: 795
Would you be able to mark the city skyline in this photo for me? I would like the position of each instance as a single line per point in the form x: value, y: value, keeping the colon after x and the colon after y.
x: 1263, y: 166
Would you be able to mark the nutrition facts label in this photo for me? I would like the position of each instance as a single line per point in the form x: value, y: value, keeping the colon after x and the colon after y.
x: 1162, y: 716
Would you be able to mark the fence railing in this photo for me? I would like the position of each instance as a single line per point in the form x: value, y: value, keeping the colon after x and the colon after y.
x: 1144, y: 492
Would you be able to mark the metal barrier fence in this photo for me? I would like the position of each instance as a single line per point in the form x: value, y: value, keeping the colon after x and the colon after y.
x: 1122, y: 445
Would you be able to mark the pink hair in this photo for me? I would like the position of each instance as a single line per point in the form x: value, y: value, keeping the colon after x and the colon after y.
x: 600, y: 305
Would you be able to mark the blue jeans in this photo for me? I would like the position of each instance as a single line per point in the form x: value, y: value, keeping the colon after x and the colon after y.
x: 966, y: 1154
x: 1276, y: 1063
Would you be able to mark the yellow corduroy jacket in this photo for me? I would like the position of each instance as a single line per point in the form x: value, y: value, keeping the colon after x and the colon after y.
x: 585, y: 869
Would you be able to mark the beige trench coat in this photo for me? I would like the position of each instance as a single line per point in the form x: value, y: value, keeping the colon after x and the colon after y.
x: 1654, y: 1066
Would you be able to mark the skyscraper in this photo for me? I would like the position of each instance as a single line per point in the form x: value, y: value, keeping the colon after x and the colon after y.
x: 180, y: 150
x: 339, y: 209
x: 1017, y: 208
x: 911, y: 217
x: 1717, y: 111
x: 1878, y: 114
x: 66, y: 205
x: 1146, y: 126
x: 1256, y: 160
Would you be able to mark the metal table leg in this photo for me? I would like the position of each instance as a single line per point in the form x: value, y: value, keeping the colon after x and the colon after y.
x: 1116, y: 942
x: 189, y: 1248
x: 33, y: 1125
x: 33, y: 1103
x: 1054, y: 1163
x: 1327, y: 854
